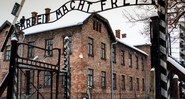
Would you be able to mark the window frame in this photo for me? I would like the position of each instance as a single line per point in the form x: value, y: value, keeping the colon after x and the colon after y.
x: 90, y: 47
x: 47, y: 75
x: 131, y: 83
x: 103, y: 51
x: 103, y: 79
x: 143, y: 84
x: 137, y: 84
x: 114, y: 54
x: 90, y: 76
x: 28, y: 81
x: 142, y: 64
x: 130, y: 60
x: 7, y: 53
x: 137, y: 61
x: 114, y: 81
x: 32, y: 50
x: 123, y: 58
x: 49, y: 45
x: 123, y: 82
x: 97, y: 25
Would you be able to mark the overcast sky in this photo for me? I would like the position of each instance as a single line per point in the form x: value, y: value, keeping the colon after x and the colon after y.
x: 115, y: 16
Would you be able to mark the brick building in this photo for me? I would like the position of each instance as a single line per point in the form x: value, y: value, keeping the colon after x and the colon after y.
x: 90, y: 60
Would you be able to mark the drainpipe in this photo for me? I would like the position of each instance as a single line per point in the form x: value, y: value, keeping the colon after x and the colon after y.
x: 146, y: 75
x: 112, y: 69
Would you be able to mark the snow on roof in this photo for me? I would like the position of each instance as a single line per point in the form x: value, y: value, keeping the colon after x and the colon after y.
x: 131, y: 46
x: 176, y: 64
x: 71, y: 19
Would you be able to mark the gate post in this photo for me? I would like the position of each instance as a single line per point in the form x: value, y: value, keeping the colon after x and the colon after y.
x: 11, y: 91
x: 159, y: 50
x: 67, y: 88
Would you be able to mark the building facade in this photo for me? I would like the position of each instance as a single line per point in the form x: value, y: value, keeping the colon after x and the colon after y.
x: 90, y: 61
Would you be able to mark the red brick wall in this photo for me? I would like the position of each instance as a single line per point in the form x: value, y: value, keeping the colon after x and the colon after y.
x: 79, y: 67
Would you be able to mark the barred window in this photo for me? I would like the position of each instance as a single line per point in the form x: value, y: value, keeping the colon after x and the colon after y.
x: 102, y: 50
x: 122, y: 58
x: 136, y: 62
x: 90, y: 46
x: 143, y: 84
x: 49, y: 46
x: 131, y: 84
x: 123, y: 82
x: 114, y: 81
x: 97, y: 25
x: 47, y: 78
x: 31, y: 50
x: 28, y: 82
x: 103, y: 79
x: 114, y: 54
x: 90, y: 77
x: 142, y: 63
x: 7, y: 53
x: 137, y: 84
x: 130, y: 60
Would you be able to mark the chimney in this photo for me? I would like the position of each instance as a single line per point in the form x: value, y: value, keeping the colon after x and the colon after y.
x: 118, y: 34
x: 34, y: 18
x: 47, y: 15
x: 124, y: 35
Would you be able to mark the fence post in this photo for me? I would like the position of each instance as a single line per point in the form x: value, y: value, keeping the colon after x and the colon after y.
x: 176, y: 87
x: 11, y: 90
x: 152, y: 84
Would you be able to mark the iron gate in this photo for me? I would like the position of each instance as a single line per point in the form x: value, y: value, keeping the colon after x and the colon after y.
x: 36, y: 77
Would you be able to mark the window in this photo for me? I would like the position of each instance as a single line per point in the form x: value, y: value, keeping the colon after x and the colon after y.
x: 114, y: 81
x: 114, y: 54
x: 142, y: 63
x: 63, y: 80
x: 90, y: 46
x: 102, y: 50
x: 137, y: 84
x: 123, y: 82
x: 90, y: 77
x: 49, y: 46
x: 122, y: 58
x: 70, y: 44
x: 31, y: 50
x: 136, y: 62
x: 96, y: 26
x: 27, y: 82
x: 103, y: 80
x: 47, y: 78
x: 7, y: 53
x: 131, y: 82
x: 143, y: 84
x: 130, y: 60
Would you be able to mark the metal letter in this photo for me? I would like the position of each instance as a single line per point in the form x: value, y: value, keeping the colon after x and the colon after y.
x: 71, y: 5
x: 114, y: 3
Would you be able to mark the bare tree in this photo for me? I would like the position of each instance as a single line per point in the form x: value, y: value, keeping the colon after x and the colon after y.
x: 175, y: 12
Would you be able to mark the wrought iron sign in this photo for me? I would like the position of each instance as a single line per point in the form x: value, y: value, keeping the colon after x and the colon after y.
x: 81, y: 5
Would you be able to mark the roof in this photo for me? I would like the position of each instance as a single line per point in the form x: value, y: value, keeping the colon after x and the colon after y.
x: 6, y: 23
x: 131, y: 46
x: 69, y: 21
x: 176, y: 67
